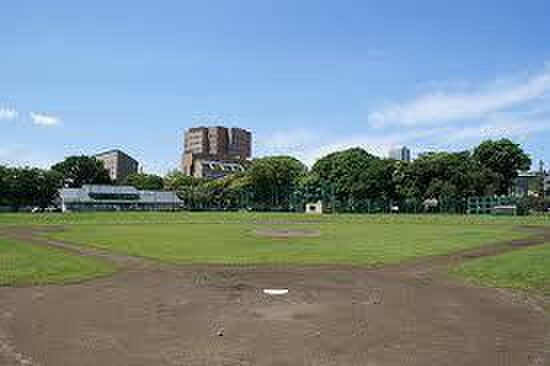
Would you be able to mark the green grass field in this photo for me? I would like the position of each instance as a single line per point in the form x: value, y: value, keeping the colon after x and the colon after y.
x: 27, y: 264
x: 527, y: 268
x: 228, y: 238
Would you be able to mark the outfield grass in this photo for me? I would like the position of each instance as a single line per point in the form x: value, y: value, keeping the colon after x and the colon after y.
x: 230, y: 238
x: 356, y: 240
x: 213, y: 237
x: 527, y: 269
x: 26, y: 264
x: 247, y: 217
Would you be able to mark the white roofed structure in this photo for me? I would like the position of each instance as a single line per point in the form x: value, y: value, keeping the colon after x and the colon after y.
x: 116, y: 198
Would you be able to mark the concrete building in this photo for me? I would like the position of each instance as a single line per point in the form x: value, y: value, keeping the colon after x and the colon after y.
x: 214, y: 152
x: 119, y: 164
x: 400, y: 153
x: 116, y: 198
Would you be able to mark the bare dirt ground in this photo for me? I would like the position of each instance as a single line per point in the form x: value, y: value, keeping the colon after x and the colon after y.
x: 155, y: 314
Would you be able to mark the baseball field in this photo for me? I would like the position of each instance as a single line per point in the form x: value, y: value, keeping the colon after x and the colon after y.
x: 188, y: 289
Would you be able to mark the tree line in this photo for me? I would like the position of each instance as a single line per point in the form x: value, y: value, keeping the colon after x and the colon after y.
x: 33, y: 187
x: 354, y: 180
x: 351, y: 179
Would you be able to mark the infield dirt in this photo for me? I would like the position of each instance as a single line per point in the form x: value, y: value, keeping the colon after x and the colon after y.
x: 156, y: 314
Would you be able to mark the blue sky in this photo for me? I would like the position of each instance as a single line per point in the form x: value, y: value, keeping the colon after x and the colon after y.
x: 307, y: 77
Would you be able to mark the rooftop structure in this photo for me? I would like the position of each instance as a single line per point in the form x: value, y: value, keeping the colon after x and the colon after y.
x: 119, y: 164
x: 116, y: 198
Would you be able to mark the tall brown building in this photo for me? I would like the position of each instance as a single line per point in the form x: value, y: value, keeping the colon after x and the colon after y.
x: 240, y: 143
x: 217, y: 147
x: 119, y: 164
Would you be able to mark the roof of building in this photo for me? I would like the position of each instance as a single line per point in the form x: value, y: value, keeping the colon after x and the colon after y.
x: 198, y: 128
x: 117, y: 151
x: 110, y: 193
x: 529, y: 174
x: 107, y: 188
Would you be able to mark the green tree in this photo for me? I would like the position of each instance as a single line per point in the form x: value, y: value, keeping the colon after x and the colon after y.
x: 504, y: 158
x: 344, y: 171
x: 48, y: 184
x: 24, y: 187
x: 274, y: 179
x: 30, y: 187
x: 176, y: 180
x: 310, y: 189
x: 146, y: 182
x: 378, y: 180
x: 189, y: 189
x: 4, y: 185
x: 229, y: 192
x: 235, y: 191
x: 448, y: 177
x: 80, y: 170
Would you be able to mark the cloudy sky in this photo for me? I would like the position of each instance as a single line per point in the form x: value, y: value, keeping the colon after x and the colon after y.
x: 306, y: 76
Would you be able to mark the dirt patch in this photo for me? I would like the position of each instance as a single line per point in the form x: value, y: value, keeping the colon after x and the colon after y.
x: 285, y: 233
x: 331, y: 316
x: 218, y: 315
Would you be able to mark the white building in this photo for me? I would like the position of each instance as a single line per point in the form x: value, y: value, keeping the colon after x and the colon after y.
x: 116, y: 198
x: 315, y: 207
x: 400, y: 153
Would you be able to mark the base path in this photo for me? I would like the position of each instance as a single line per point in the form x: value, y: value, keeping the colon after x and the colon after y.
x: 213, y: 315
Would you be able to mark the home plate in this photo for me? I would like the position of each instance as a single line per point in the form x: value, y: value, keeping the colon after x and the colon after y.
x: 276, y: 291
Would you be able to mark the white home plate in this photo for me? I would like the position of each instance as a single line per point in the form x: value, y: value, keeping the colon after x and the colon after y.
x: 276, y: 291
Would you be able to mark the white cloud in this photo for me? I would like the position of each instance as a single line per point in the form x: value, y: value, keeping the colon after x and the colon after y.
x: 8, y: 114
x: 43, y: 119
x: 308, y: 146
x: 443, y: 107
x: 280, y: 141
x: 497, y: 127
x: 376, y: 144
x: 454, y: 137
x: 21, y: 155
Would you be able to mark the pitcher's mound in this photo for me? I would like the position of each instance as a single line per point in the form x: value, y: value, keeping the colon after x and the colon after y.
x: 294, y: 233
